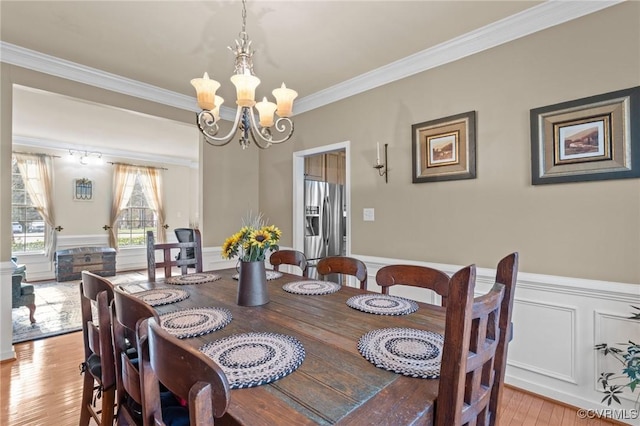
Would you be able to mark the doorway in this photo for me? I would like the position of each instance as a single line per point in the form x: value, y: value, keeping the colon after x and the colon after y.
x: 329, y: 163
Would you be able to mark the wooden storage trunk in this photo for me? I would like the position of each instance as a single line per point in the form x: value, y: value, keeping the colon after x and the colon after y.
x: 71, y: 262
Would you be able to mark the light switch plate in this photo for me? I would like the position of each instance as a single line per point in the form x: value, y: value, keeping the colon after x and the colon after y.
x: 368, y: 214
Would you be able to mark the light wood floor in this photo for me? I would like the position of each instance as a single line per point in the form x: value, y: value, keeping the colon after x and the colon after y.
x: 43, y: 386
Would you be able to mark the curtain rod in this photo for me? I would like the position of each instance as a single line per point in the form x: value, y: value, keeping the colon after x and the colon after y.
x: 137, y: 165
x: 37, y: 153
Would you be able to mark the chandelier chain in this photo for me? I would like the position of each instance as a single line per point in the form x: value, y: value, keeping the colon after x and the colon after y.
x: 244, y: 17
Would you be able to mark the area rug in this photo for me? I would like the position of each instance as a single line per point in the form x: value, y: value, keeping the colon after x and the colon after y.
x: 58, y: 309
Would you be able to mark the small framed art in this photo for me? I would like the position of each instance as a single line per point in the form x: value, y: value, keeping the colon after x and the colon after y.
x: 444, y: 149
x: 82, y: 189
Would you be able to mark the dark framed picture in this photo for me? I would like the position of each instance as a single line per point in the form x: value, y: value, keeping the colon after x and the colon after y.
x: 587, y: 139
x: 444, y: 149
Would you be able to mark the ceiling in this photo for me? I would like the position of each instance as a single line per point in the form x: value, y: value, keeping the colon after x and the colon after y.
x: 312, y: 46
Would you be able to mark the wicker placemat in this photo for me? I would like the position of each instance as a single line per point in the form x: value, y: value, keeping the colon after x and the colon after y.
x: 192, y: 279
x: 271, y: 275
x: 382, y: 304
x: 161, y: 296
x: 311, y: 287
x: 407, y: 351
x: 253, y: 359
x: 195, y: 321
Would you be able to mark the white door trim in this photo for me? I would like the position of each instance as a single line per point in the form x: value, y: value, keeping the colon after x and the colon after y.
x: 298, y: 190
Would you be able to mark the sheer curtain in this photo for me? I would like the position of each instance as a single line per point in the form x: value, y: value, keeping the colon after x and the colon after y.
x: 37, y: 174
x: 124, y: 179
x: 151, y: 181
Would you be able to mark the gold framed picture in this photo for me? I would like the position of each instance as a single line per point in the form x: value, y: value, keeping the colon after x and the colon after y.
x: 444, y: 149
x: 586, y: 139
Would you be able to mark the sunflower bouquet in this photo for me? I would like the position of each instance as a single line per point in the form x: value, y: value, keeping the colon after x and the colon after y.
x: 253, y: 240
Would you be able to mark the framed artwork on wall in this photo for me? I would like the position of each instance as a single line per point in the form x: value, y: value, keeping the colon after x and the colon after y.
x: 83, y: 189
x: 444, y: 149
x: 587, y: 139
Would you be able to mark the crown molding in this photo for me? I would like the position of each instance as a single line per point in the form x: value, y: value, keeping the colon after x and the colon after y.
x: 47, y: 64
x: 30, y: 142
x: 537, y: 18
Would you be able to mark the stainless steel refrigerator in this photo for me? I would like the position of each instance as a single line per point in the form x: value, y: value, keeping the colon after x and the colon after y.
x: 325, y: 222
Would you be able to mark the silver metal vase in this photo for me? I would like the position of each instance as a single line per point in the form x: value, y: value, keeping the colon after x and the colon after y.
x: 252, y: 284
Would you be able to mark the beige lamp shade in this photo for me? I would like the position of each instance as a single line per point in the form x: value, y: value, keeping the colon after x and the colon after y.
x: 245, y: 88
x: 205, y: 91
x: 266, y: 110
x: 284, y: 98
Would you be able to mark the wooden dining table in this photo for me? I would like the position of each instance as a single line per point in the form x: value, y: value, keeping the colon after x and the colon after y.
x: 334, y: 384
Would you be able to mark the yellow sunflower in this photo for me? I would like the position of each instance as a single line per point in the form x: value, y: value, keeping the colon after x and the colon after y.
x: 227, y: 247
x: 260, y: 238
x: 274, y: 231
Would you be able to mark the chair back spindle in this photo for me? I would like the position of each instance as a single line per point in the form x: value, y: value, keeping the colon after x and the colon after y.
x: 184, y: 261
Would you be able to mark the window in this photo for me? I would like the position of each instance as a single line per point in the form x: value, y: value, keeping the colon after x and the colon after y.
x: 136, y: 218
x: 28, y: 226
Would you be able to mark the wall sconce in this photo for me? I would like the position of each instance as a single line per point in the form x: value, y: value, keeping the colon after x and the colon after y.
x: 87, y: 157
x: 382, y: 167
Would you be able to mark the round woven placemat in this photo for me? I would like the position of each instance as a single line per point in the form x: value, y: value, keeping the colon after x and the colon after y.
x: 271, y: 275
x: 192, y: 279
x: 162, y: 296
x: 407, y: 351
x: 311, y: 287
x: 382, y: 304
x: 195, y: 321
x: 253, y: 359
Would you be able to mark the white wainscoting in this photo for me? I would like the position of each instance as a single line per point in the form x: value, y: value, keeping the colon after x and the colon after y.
x: 557, y: 322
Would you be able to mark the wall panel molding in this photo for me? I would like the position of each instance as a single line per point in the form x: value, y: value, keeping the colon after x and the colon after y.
x: 569, y: 356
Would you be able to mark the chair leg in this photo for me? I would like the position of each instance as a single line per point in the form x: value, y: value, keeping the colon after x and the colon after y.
x: 87, y: 395
x: 106, y: 414
x: 108, y: 402
x: 32, y: 311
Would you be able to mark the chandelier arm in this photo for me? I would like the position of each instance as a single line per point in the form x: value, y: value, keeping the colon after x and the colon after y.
x: 211, y: 139
x: 281, y: 127
x: 258, y: 133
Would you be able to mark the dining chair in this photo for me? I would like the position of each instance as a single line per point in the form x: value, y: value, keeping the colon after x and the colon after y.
x: 184, y: 371
x: 344, y: 265
x: 471, y: 340
x: 415, y: 276
x: 186, y: 235
x: 506, y: 274
x: 126, y: 312
x: 184, y: 262
x: 98, y: 366
x: 289, y: 257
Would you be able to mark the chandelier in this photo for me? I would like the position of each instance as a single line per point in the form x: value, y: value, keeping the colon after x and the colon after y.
x: 262, y: 133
